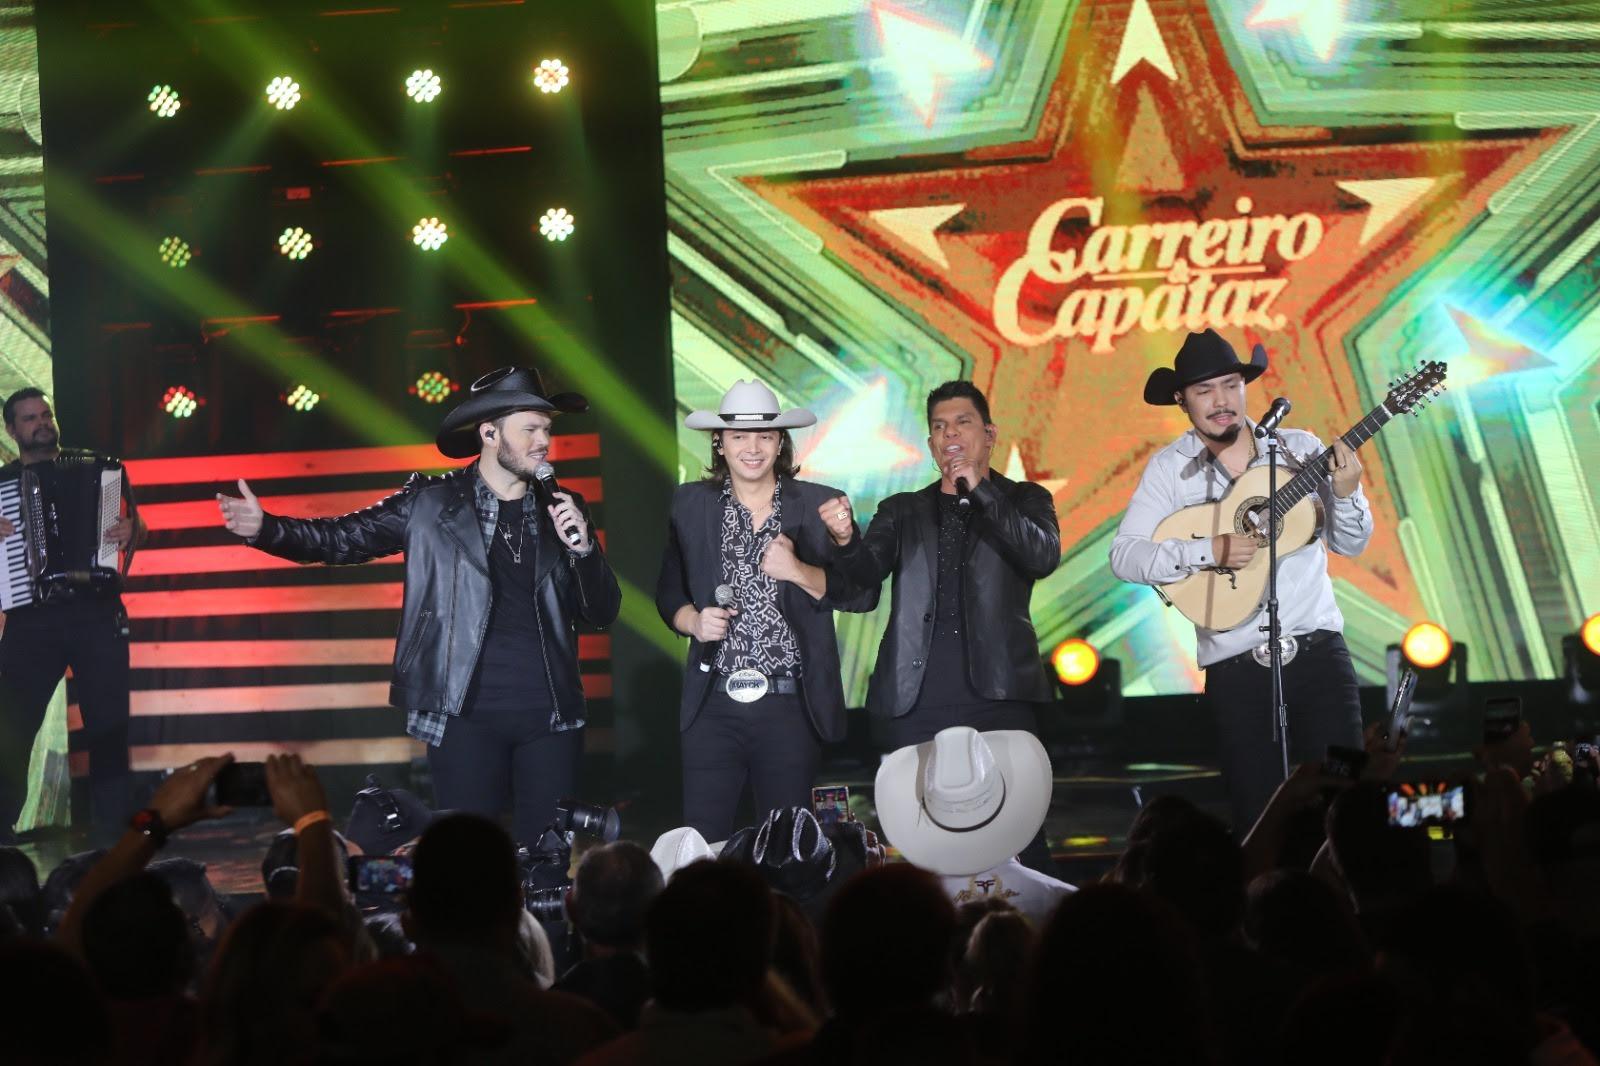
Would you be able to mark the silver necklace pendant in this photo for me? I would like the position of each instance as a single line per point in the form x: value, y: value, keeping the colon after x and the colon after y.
x: 516, y: 552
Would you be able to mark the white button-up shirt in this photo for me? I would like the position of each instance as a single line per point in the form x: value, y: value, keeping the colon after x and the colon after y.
x: 1183, y: 474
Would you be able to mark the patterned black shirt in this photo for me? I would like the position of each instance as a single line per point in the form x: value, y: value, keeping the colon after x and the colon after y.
x: 759, y: 638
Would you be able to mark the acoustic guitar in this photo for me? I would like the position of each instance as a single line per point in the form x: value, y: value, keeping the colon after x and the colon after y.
x: 1221, y: 598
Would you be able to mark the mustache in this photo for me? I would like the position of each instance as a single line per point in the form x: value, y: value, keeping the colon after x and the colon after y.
x: 1222, y: 411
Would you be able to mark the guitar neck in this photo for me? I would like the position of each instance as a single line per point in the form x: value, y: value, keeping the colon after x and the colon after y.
x: 1310, y: 476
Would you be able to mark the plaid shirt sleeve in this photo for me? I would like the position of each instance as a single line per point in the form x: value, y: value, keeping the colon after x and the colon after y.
x: 427, y: 726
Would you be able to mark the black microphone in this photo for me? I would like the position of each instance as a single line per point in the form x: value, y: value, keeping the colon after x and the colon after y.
x: 963, y: 492
x: 1275, y: 414
x: 545, y: 475
x: 722, y: 597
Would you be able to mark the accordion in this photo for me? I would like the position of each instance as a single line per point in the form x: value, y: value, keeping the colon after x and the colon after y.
x: 61, y: 510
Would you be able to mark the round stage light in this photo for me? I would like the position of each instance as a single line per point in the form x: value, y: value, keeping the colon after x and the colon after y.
x: 175, y: 252
x: 423, y: 86
x: 179, y: 402
x: 294, y: 243
x: 164, y: 101
x: 428, y: 234
x: 556, y: 224
x: 283, y: 93
x: 1076, y: 661
x: 551, y: 75
x: 1590, y: 634
x: 1426, y: 645
x: 433, y: 387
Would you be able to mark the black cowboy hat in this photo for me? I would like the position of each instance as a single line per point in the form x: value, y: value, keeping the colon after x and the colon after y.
x: 799, y: 857
x: 1203, y: 356
x: 499, y: 392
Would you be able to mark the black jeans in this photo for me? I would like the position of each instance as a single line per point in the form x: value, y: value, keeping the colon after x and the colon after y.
x: 494, y: 760
x: 769, y: 742
x: 40, y: 642
x: 1324, y: 707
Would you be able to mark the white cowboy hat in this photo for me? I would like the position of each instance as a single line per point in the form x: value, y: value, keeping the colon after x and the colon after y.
x: 965, y: 801
x: 677, y: 848
x: 749, y: 405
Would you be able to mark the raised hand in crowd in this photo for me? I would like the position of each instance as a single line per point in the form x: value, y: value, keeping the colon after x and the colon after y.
x: 1381, y: 761
x: 1304, y: 785
x: 299, y: 799
x: 179, y: 801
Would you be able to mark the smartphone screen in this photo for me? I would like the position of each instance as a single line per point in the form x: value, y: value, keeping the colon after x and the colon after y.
x: 243, y: 784
x: 831, y: 804
x: 1427, y: 803
x: 379, y: 875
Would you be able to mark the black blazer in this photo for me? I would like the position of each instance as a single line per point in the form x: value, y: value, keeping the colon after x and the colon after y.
x: 691, y: 569
x: 1014, y: 541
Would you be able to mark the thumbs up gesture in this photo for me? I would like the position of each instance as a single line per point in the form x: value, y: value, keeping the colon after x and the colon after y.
x: 241, y: 516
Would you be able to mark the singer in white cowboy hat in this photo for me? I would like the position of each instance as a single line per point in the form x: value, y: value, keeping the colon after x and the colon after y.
x: 761, y: 688
x: 498, y: 574
x: 963, y: 805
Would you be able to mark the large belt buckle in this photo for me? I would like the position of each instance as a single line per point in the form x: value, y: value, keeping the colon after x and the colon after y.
x: 746, y: 686
x: 1262, y: 654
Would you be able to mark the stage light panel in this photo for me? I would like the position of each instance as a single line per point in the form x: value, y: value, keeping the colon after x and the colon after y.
x: 179, y: 401
x: 551, y: 75
x: 175, y: 252
x: 556, y: 224
x: 434, y: 387
x: 294, y: 243
x: 429, y: 234
x: 302, y: 398
x: 164, y: 101
x: 1426, y: 645
x: 423, y: 86
x: 1075, y: 661
x: 283, y: 93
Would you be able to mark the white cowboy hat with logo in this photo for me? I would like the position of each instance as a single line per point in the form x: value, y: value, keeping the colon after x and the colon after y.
x: 750, y: 405
x: 677, y: 848
x: 964, y: 802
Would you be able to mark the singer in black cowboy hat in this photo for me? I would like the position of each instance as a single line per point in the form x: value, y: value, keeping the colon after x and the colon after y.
x: 1207, y: 381
x: 501, y: 565
x: 761, y: 688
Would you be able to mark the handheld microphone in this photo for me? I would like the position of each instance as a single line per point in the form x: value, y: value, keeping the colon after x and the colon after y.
x: 963, y: 492
x: 545, y: 475
x: 722, y: 597
x: 1275, y: 414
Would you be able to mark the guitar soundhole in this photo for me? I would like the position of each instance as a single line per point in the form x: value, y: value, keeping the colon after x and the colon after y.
x: 1251, y: 517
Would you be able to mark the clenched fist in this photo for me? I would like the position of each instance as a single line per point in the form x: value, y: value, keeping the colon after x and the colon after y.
x: 835, y: 514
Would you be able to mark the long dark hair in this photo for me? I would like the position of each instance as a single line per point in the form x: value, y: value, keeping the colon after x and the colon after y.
x: 783, y: 466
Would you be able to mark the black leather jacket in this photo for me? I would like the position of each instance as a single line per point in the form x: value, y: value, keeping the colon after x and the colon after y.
x: 434, y: 520
x: 1013, y: 541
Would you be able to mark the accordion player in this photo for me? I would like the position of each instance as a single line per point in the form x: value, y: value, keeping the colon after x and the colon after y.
x: 62, y: 510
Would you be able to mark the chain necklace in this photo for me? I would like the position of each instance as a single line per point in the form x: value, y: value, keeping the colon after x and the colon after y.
x: 505, y: 535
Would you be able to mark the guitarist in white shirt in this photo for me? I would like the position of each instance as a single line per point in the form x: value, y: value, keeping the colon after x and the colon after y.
x: 1208, y: 381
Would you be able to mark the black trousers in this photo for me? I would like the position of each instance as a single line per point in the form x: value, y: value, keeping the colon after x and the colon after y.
x: 769, y: 743
x: 40, y: 642
x: 1324, y: 707
x: 494, y: 761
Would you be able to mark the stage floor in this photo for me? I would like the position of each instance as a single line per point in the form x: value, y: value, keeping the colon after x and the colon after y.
x: 1092, y: 806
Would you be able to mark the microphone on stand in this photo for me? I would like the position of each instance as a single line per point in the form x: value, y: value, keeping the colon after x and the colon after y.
x: 723, y: 597
x: 963, y: 492
x: 545, y: 475
x: 1276, y: 413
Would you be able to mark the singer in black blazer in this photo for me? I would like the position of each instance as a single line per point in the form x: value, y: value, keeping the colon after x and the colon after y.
x: 691, y: 569
x: 775, y: 743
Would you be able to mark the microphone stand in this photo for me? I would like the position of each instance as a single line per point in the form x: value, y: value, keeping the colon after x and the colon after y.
x: 1280, y: 711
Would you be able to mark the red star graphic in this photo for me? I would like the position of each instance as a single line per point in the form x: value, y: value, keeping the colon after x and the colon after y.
x: 1153, y: 148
